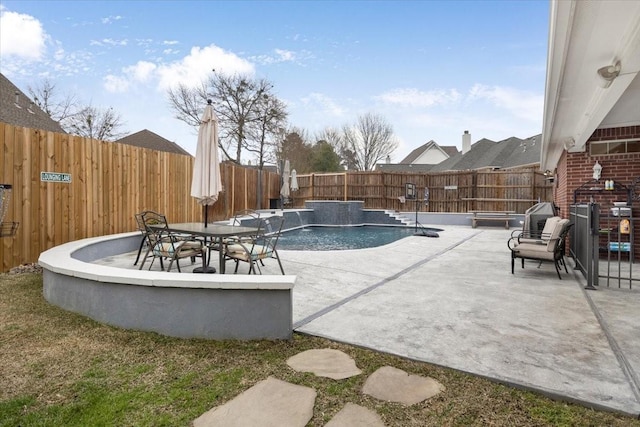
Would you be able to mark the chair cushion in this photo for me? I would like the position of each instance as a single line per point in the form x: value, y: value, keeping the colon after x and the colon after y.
x: 533, y: 250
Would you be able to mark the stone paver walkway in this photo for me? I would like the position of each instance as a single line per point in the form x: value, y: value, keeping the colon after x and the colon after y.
x: 273, y: 402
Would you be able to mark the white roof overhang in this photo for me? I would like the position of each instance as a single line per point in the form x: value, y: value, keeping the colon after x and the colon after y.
x: 583, y: 37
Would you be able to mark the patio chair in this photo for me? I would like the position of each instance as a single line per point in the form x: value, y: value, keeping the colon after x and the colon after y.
x: 246, y: 217
x: 257, y: 248
x: 143, y: 230
x: 541, y: 237
x: 164, y: 244
x: 552, y: 249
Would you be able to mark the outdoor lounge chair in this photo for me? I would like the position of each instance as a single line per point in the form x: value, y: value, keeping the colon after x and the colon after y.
x: 552, y: 249
x: 164, y: 244
x: 257, y: 248
x: 543, y: 236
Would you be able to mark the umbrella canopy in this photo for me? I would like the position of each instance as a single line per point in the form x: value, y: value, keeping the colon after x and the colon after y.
x: 206, y: 182
x: 294, y: 181
x: 284, y: 191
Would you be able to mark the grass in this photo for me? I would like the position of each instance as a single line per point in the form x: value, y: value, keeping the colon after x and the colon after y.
x: 58, y: 368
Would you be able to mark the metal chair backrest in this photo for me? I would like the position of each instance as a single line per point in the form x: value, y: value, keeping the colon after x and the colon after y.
x: 269, y: 231
x: 246, y: 217
x: 155, y: 225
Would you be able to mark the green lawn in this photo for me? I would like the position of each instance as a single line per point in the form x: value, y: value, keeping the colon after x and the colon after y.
x: 61, y: 369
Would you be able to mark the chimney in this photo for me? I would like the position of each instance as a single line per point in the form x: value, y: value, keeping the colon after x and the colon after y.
x: 466, y: 142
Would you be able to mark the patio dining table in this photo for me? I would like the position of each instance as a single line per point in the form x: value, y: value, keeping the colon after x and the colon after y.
x: 217, y: 232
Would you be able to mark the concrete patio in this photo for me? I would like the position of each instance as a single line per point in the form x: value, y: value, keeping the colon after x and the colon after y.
x: 452, y: 301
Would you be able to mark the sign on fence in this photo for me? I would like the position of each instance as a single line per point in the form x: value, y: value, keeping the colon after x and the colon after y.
x: 55, y: 177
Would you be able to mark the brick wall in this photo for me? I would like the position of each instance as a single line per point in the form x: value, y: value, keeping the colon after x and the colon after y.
x: 576, y: 169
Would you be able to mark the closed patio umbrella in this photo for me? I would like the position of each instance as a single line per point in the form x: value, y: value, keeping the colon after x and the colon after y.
x: 206, y: 182
x: 285, y: 191
x: 294, y: 181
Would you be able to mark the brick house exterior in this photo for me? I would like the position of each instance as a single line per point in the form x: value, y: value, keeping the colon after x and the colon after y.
x: 575, y: 169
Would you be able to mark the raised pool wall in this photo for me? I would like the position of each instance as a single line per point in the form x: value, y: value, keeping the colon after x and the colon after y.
x: 351, y: 213
x: 183, y: 305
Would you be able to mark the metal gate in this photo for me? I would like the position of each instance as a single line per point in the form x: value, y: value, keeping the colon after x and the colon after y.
x: 584, y: 240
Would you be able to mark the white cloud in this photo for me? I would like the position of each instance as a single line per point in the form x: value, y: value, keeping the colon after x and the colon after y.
x: 21, y: 36
x: 195, y: 67
x: 190, y: 70
x: 111, y: 19
x: 280, y: 55
x: 142, y: 72
x: 285, y: 55
x: 522, y: 104
x: 116, y: 84
x: 414, y: 98
x: 170, y: 42
x: 323, y: 103
x: 109, y: 42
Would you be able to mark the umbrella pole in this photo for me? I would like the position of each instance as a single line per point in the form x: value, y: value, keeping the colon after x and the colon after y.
x: 206, y: 215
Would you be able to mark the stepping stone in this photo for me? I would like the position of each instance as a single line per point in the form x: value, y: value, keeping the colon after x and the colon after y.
x: 270, y: 403
x: 325, y: 363
x: 353, y: 415
x: 395, y: 385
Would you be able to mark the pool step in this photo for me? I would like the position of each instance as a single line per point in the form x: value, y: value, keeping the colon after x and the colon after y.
x: 399, y: 217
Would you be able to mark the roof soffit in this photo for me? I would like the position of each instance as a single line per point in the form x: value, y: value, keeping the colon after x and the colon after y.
x: 585, y: 36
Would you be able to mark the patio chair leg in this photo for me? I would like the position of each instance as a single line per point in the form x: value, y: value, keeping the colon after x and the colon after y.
x: 513, y: 261
x: 140, y: 250
x: 557, y: 269
x: 280, y: 264
x: 144, y: 259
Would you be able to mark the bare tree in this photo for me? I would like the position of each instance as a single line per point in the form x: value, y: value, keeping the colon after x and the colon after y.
x: 241, y: 103
x: 187, y: 103
x: 86, y: 121
x: 267, y: 133
x: 95, y: 123
x: 58, y: 107
x: 370, y: 139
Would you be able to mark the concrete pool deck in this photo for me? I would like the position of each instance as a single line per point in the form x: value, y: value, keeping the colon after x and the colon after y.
x: 452, y: 301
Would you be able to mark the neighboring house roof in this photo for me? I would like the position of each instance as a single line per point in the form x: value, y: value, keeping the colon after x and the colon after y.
x: 451, y: 150
x: 447, y: 151
x: 509, y: 153
x: 585, y: 37
x: 147, y: 139
x: 403, y: 167
x: 18, y: 109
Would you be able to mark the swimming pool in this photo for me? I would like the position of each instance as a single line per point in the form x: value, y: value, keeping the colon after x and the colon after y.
x: 338, y: 238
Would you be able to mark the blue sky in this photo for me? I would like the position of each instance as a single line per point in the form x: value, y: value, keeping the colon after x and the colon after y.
x: 432, y: 69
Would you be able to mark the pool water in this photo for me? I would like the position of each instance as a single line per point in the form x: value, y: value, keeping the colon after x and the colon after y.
x: 338, y: 238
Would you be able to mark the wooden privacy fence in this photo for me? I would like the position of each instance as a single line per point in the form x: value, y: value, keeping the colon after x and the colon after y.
x: 100, y: 186
x: 459, y: 191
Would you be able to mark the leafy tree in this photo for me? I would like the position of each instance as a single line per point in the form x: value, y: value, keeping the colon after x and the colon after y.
x: 335, y: 138
x: 296, y: 150
x: 370, y: 140
x: 324, y: 158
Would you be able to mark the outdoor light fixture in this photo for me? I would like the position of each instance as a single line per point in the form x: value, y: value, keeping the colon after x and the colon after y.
x: 608, y: 74
x: 597, y: 171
